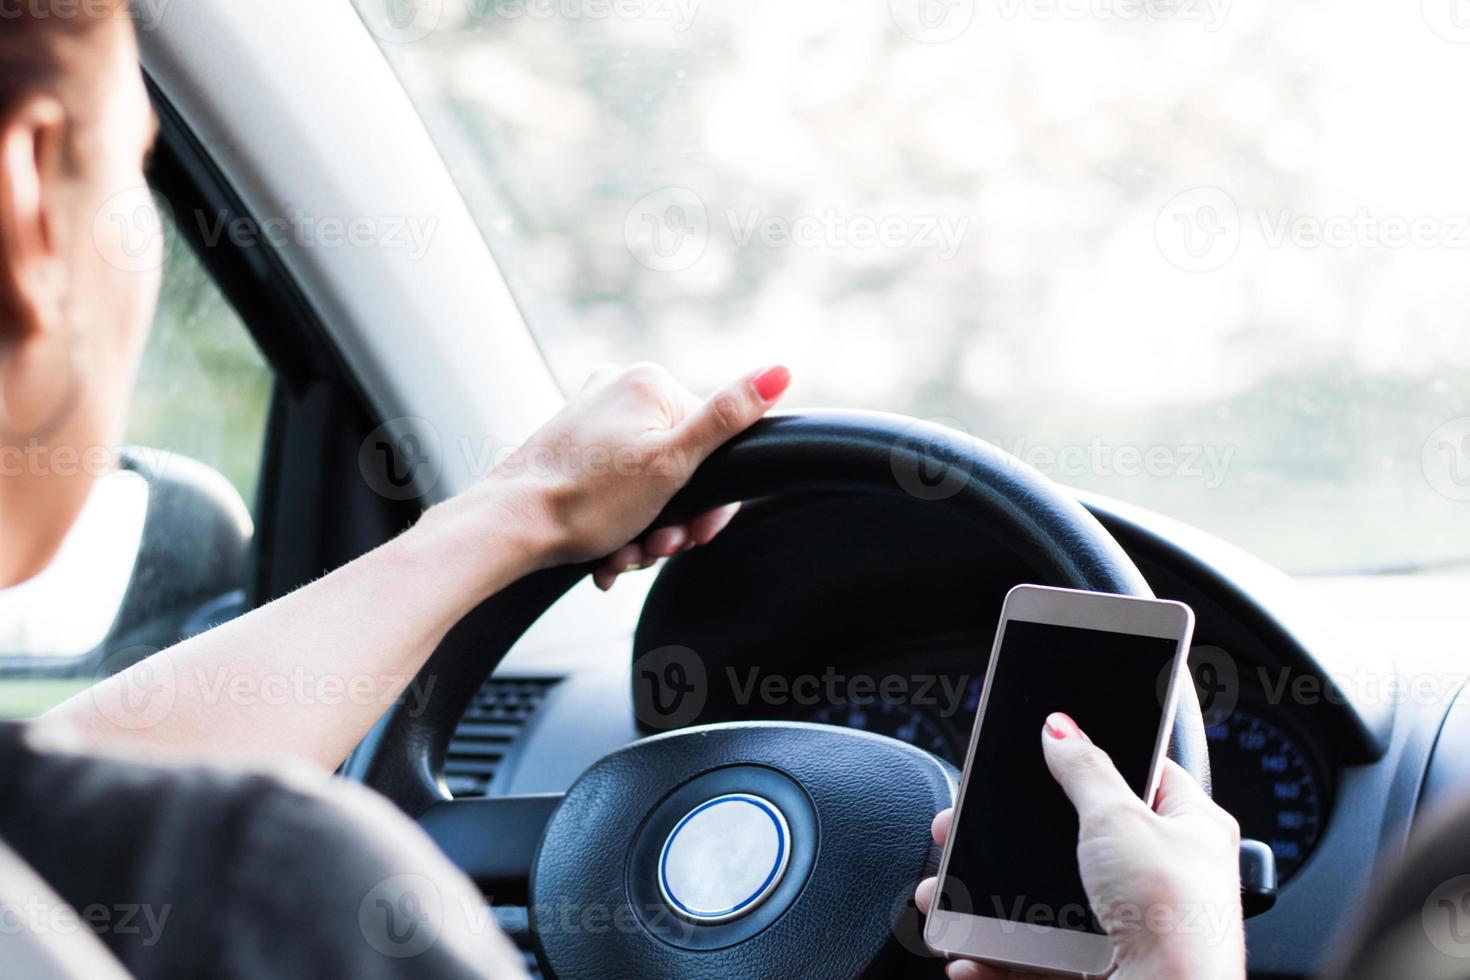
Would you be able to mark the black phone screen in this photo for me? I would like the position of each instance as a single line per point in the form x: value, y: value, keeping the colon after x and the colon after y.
x: 1014, y: 852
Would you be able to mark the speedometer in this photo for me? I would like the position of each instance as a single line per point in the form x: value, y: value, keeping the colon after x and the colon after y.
x: 1270, y: 784
x: 894, y: 720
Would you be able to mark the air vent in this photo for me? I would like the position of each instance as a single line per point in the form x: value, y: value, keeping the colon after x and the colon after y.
x: 487, y: 734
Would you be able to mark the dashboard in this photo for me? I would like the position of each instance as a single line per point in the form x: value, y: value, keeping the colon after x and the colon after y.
x: 1267, y: 767
x: 878, y: 614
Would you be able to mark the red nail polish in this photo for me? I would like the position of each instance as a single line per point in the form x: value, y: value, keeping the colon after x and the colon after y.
x: 1060, y: 726
x: 771, y: 382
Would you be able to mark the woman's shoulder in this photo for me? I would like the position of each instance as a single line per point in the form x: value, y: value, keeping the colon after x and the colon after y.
x: 220, y: 865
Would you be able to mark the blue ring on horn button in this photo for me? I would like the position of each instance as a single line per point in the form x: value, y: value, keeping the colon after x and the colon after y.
x: 678, y: 908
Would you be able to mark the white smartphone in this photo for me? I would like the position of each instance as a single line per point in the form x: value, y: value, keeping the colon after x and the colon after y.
x: 1009, y: 891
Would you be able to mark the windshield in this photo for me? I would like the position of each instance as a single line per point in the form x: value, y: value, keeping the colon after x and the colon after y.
x: 1209, y: 257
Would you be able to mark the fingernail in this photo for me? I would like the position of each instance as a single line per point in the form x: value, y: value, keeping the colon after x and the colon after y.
x: 676, y: 539
x: 771, y: 382
x: 1060, y: 726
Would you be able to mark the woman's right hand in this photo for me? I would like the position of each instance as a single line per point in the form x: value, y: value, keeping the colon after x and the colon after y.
x: 1164, y: 883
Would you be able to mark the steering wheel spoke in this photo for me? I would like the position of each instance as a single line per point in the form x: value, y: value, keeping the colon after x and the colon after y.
x: 493, y: 840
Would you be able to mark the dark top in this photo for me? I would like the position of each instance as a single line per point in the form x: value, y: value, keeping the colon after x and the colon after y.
x: 194, y: 872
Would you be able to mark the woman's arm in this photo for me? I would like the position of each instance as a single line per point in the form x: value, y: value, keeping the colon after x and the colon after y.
x: 309, y: 674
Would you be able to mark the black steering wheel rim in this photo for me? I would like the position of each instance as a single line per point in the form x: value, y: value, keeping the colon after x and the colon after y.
x: 832, y: 450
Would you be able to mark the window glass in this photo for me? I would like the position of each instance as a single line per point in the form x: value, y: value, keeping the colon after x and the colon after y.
x: 1208, y: 256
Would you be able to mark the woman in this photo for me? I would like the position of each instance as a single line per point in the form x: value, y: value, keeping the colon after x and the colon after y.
x: 253, y: 875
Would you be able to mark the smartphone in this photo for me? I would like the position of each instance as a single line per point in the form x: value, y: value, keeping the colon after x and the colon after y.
x: 1009, y: 890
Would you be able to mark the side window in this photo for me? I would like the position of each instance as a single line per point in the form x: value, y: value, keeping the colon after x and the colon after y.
x: 163, y: 547
x: 204, y: 389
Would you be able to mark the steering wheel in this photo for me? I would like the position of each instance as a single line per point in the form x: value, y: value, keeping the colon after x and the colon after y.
x: 747, y: 849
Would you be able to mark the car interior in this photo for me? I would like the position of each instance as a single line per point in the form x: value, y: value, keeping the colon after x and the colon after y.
x: 301, y: 403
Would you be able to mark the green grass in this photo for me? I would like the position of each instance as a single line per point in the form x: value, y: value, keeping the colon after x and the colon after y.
x: 27, y: 697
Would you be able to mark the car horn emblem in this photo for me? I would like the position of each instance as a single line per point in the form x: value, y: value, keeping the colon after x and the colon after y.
x: 724, y: 858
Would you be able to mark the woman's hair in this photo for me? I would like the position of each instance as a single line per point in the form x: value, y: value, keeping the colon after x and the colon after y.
x: 42, y: 47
